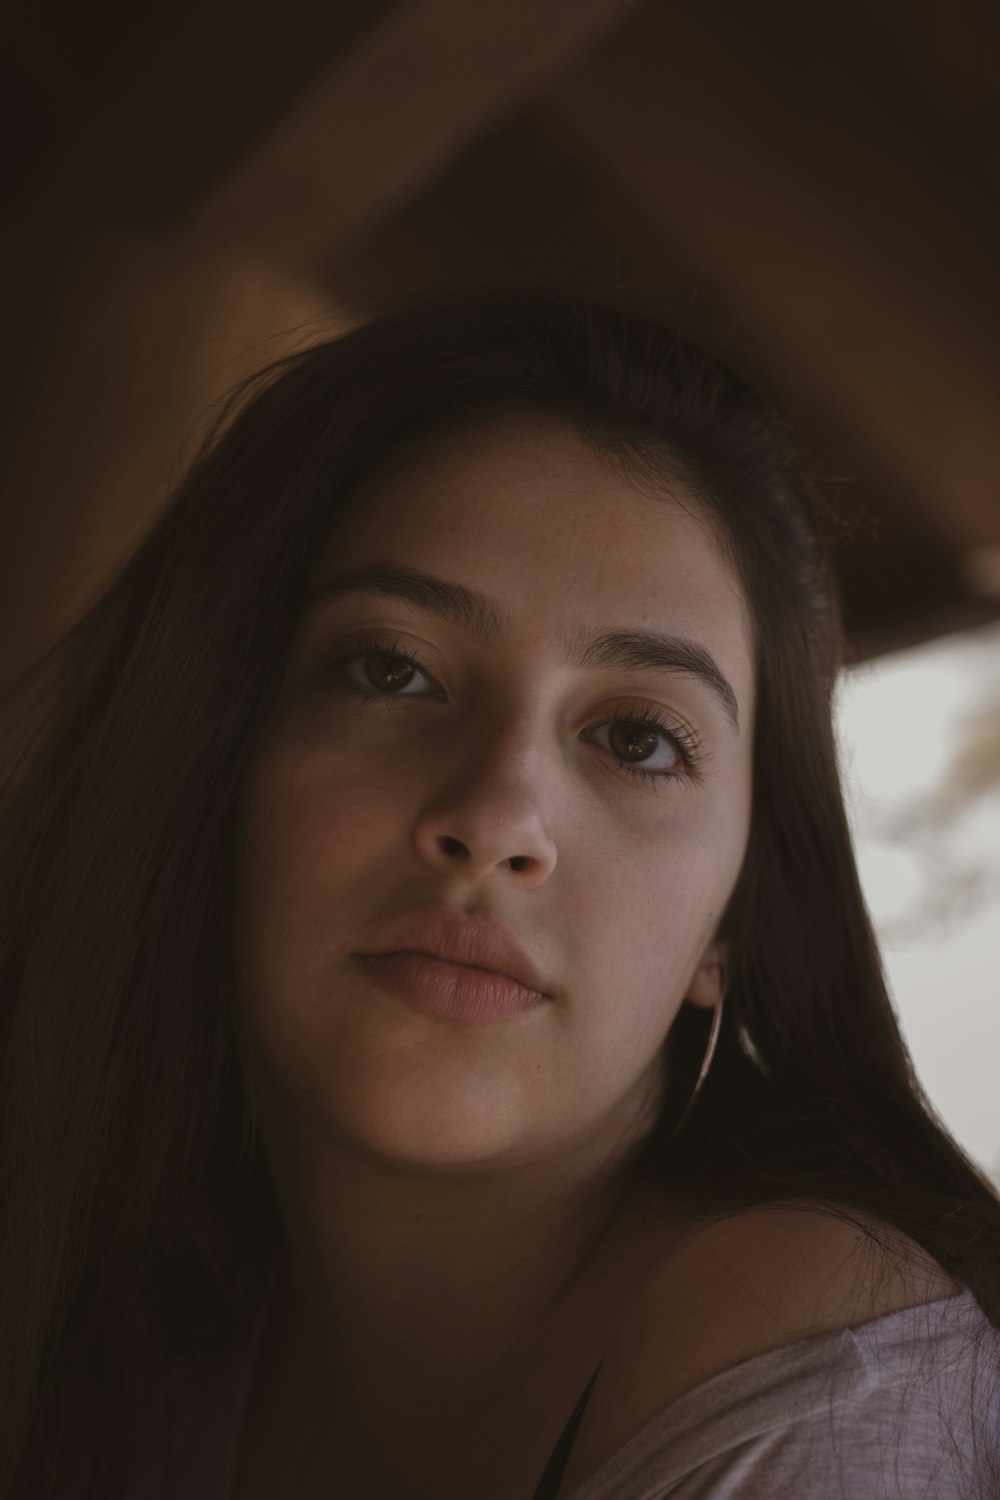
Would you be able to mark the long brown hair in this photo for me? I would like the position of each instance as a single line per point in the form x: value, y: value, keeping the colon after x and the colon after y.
x: 139, y: 1221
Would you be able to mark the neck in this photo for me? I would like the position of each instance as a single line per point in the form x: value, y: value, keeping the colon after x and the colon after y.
x: 438, y: 1277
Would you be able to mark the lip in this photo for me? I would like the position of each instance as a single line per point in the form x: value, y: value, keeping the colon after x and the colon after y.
x: 453, y: 992
x: 441, y: 933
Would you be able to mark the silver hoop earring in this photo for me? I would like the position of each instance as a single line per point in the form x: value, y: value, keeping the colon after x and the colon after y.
x: 706, y: 1064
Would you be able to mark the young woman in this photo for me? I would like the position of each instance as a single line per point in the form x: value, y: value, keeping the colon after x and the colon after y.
x: 444, y: 1049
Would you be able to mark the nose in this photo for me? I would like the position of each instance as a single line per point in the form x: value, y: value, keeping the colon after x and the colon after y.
x: 490, y: 811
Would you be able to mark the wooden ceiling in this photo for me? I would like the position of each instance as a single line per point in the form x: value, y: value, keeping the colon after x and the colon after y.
x: 194, y: 190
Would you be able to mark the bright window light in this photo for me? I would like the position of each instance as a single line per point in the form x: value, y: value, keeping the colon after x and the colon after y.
x: 919, y: 732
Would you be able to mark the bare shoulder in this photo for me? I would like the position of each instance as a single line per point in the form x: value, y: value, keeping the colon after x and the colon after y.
x: 798, y: 1270
x: 740, y: 1287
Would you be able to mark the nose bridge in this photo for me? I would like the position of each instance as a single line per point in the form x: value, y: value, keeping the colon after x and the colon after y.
x: 504, y: 753
x: 511, y: 736
x: 490, y: 800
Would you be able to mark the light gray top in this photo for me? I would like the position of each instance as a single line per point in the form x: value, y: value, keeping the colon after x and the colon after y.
x: 905, y: 1407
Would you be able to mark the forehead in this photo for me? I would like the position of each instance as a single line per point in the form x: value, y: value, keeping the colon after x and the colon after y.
x: 528, y: 511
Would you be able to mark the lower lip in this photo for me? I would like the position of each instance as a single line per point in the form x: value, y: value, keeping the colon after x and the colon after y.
x: 454, y: 991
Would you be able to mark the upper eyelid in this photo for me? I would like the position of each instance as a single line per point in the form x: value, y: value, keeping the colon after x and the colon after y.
x: 385, y: 638
x: 369, y: 643
x: 695, y: 757
x: 489, y: 622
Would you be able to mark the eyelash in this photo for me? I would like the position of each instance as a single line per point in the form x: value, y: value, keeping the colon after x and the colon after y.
x: 683, y: 740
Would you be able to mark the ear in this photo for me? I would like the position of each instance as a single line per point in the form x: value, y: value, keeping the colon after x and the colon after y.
x: 708, y: 984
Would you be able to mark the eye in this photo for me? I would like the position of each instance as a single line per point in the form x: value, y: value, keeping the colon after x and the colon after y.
x: 646, y: 724
x: 399, y: 667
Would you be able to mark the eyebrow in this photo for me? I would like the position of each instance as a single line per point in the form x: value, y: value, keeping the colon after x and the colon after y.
x: 490, y: 623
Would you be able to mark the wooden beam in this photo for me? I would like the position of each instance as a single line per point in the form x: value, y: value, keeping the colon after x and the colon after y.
x: 420, y: 88
x: 150, y: 339
x: 852, y: 285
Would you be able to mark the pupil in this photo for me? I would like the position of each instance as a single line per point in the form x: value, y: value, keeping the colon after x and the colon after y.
x: 392, y: 674
x: 634, y: 737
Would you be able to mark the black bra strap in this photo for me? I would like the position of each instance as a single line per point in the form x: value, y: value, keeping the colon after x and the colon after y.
x: 548, y: 1485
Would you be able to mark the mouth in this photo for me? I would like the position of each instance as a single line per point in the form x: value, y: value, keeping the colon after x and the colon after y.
x: 473, y: 943
x: 454, y: 963
x: 449, y: 990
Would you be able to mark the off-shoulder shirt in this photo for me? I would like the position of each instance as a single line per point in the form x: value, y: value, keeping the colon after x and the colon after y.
x: 904, y: 1407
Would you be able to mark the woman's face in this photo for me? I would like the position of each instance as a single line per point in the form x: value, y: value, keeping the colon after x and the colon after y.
x: 494, y: 750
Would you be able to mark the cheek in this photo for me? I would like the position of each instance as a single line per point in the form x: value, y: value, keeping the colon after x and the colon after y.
x: 652, y: 913
x: 304, y: 842
x: 301, y: 892
x: 306, y: 825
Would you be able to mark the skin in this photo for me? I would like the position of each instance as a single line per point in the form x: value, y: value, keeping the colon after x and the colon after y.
x: 448, y: 1193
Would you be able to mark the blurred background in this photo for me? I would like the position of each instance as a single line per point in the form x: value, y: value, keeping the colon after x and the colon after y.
x: 193, y: 190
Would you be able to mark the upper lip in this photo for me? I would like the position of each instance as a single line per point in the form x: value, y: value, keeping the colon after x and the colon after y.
x: 442, y: 933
